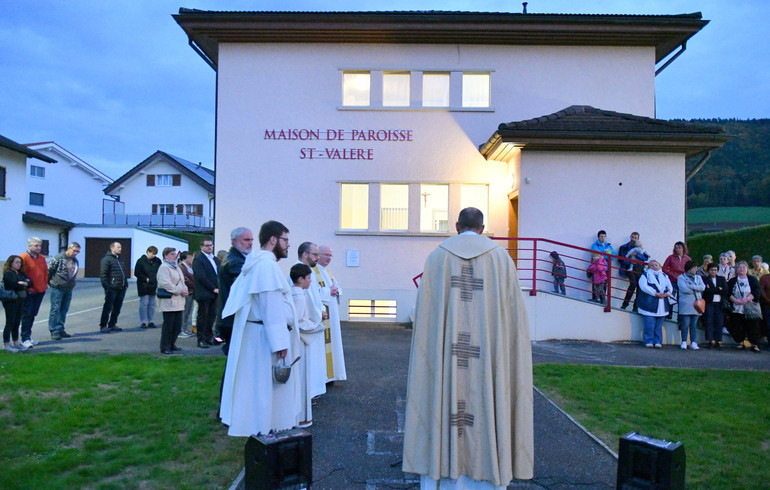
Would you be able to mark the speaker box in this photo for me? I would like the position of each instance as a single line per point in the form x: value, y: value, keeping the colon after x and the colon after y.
x: 282, y: 459
x: 647, y: 463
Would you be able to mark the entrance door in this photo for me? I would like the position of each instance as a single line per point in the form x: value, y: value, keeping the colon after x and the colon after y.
x: 513, y: 226
x: 97, y: 248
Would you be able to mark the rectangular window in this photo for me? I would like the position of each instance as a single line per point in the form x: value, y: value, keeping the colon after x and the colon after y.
x: 435, y: 90
x: 36, y: 199
x: 3, y: 172
x: 434, y: 210
x: 372, y: 308
x: 476, y: 90
x: 355, y: 89
x: 394, y: 207
x: 477, y: 196
x: 194, y: 209
x: 162, y: 209
x: 354, y: 207
x: 37, y: 171
x: 164, y: 180
x: 395, y: 89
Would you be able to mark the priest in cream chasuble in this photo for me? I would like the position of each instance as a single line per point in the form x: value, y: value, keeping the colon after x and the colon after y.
x: 469, y: 420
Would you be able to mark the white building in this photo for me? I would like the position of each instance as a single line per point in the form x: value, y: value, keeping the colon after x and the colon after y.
x: 369, y: 131
x: 164, y: 191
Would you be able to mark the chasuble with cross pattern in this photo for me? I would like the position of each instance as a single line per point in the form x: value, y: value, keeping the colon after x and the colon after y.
x: 469, y: 396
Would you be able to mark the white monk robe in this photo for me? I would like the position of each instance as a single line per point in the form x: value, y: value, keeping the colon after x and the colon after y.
x: 317, y: 364
x: 311, y: 332
x: 469, y: 397
x: 333, y: 304
x: 251, y: 401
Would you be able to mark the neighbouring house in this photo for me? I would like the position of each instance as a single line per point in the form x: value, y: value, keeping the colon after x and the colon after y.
x: 163, y: 191
x: 370, y: 131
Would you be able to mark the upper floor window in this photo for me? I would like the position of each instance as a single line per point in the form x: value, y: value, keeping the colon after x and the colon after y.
x: 435, y: 89
x: 37, y: 171
x: 354, y: 207
x: 36, y: 199
x: 355, y: 88
x: 2, y: 181
x: 395, y: 89
x: 476, y: 90
x: 164, y: 180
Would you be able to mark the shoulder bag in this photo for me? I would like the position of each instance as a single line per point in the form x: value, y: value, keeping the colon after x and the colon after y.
x: 752, y: 311
x: 162, y: 293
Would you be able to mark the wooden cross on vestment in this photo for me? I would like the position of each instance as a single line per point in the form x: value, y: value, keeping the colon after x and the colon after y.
x: 464, y: 350
x: 461, y: 419
x: 467, y: 283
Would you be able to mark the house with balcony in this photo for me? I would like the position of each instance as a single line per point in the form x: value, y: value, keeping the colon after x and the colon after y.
x: 163, y: 191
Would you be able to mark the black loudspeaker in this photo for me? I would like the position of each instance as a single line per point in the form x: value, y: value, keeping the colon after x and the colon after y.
x: 647, y: 463
x: 282, y: 459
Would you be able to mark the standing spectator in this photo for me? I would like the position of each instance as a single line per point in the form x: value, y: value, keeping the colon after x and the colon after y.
x: 758, y: 270
x: 731, y: 258
x: 171, y: 280
x: 242, y: 240
x: 185, y: 265
x: 16, y: 281
x: 690, y: 288
x: 703, y: 270
x: 743, y: 289
x: 115, y: 282
x: 205, y: 271
x: 62, y: 271
x: 598, y: 271
x: 626, y: 268
x: 36, y: 269
x: 713, y: 319
x: 674, y: 266
x: 559, y: 273
x: 764, y: 302
x: 601, y: 244
x: 640, y: 254
x: 654, y: 290
x: 725, y: 269
x: 146, y: 272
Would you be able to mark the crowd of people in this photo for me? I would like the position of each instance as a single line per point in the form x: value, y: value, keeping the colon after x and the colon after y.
x: 728, y: 297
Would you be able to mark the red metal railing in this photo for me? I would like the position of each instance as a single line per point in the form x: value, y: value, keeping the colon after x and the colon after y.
x: 534, y: 265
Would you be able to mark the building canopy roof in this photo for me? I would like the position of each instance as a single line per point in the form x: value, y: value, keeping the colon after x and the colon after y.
x: 585, y: 128
x: 42, y: 219
x: 207, y: 29
x: 195, y: 171
x: 17, y: 147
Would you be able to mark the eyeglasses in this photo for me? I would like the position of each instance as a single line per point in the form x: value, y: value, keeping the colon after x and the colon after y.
x: 283, y: 238
x: 314, y: 255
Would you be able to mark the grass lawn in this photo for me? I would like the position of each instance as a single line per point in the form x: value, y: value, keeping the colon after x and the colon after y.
x: 722, y: 417
x: 113, y: 421
x: 729, y: 215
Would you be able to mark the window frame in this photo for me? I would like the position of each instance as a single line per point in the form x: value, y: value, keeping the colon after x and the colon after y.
x: 42, y: 199
x: 33, y: 168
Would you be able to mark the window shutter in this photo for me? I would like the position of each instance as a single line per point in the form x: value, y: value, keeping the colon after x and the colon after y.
x: 176, y: 180
x: 180, y: 209
x: 198, y: 210
x: 150, y: 180
x: 2, y: 181
x: 154, y: 208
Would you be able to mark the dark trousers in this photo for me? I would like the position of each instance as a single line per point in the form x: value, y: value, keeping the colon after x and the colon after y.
x: 204, y: 323
x: 12, y: 319
x: 766, y: 321
x: 172, y: 325
x: 713, y: 319
x: 29, y: 312
x: 113, y: 302
x: 633, y: 280
x: 743, y: 328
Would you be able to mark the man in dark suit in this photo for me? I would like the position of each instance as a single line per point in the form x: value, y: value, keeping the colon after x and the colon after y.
x: 205, y: 272
x: 242, y: 240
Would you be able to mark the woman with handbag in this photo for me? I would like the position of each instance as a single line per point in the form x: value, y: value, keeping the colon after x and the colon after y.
x: 653, y: 304
x: 15, y: 280
x: 691, y: 305
x: 744, y: 295
x: 713, y: 318
x: 171, y: 299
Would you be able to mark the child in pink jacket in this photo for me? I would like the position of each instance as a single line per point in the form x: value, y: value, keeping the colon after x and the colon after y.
x: 598, y: 271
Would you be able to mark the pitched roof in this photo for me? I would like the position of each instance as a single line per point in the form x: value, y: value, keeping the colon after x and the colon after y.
x: 74, y: 160
x: 195, y: 171
x: 586, y: 128
x: 42, y: 219
x: 207, y: 29
x: 17, y: 147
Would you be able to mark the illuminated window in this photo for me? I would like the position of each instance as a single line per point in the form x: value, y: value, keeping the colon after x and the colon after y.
x: 394, y: 207
x: 395, y: 89
x: 477, y: 196
x: 355, y: 89
x: 372, y: 308
x: 476, y: 90
x: 435, y: 89
x: 37, y: 171
x: 434, y: 207
x: 354, y: 207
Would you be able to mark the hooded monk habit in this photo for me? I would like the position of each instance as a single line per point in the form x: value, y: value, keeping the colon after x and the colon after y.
x: 469, y: 397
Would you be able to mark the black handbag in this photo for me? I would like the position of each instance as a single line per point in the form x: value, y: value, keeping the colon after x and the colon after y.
x: 162, y: 294
x: 752, y: 311
x: 727, y: 305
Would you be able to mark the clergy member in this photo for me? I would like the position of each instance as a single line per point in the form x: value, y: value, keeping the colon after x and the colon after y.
x: 469, y: 397
x: 330, y: 296
x: 263, y: 332
x: 307, y: 253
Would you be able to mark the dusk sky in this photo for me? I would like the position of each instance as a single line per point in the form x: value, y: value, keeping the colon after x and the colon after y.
x: 114, y: 81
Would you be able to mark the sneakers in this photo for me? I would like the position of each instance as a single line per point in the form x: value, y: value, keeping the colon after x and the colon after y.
x: 10, y: 348
x: 105, y: 329
x: 684, y: 345
x: 694, y: 346
x: 658, y: 346
x: 184, y: 334
x: 143, y: 325
x: 20, y: 347
x: 115, y: 328
x: 151, y: 325
x: 649, y: 346
x: 56, y: 336
x: 64, y: 334
x: 29, y: 343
